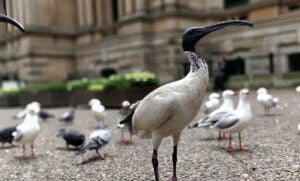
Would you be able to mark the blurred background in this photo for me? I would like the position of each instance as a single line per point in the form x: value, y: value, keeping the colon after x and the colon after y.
x: 71, y: 39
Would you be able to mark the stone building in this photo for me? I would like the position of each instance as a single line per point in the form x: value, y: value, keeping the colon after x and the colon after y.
x: 75, y: 38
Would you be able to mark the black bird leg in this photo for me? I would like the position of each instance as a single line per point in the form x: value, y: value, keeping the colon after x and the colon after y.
x: 155, y: 164
x: 174, y: 159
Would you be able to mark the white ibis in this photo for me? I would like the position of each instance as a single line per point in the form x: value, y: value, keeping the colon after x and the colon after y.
x: 167, y: 110
x: 29, y: 129
x: 266, y: 100
x: 212, y: 103
x: 98, y: 110
x: 226, y: 107
x: 237, y: 120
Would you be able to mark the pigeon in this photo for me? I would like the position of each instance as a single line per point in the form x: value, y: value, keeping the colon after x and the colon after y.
x: 72, y: 137
x: 44, y: 115
x: 123, y: 111
x: 97, y: 141
x: 98, y: 110
x: 266, y: 100
x: 237, y: 120
x: 29, y: 129
x: 68, y: 116
x: 212, y: 103
x: 6, y: 135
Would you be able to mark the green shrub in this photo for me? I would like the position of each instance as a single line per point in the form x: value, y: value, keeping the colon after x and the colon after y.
x: 46, y: 87
x: 80, y: 84
x: 142, y: 79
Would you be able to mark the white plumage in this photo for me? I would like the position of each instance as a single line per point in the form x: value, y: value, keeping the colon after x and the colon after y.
x: 237, y: 120
x: 297, y: 89
x: 98, y: 111
x: 266, y: 100
x: 29, y: 129
x: 167, y: 110
x: 212, y: 103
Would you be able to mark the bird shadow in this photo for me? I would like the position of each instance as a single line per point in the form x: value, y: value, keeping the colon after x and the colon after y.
x: 92, y: 159
x: 8, y: 147
x: 125, y: 142
x: 208, y: 139
x: 27, y: 158
x: 67, y: 149
x: 269, y: 115
x: 234, y: 151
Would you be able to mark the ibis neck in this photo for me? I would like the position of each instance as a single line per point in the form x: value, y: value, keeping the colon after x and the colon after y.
x: 196, y: 62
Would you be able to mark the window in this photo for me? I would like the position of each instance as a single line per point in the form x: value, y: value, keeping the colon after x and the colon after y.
x: 234, y: 3
x: 294, y: 63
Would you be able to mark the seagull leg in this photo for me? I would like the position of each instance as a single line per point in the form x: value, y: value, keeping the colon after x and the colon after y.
x: 32, y: 151
x: 155, y: 164
x: 240, y: 142
x: 220, y: 135
x: 23, y: 148
x: 230, y: 148
x: 224, y: 136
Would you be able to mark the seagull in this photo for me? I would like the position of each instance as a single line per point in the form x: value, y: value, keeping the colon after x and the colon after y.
x: 6, y: 135
x: 226, y: 107
x: 266, y: 100
x: 21, y: 114
x: 124, y: 110
x: 97, y: 141
x: 68, y: 116
x: 297, y: 89
x: 98, y: 110
x: 44, y: 115
x: 167, y: 110
x: 212, y: 104
x: 72, y: 137
x: 29, y: 129
x: 237, y: 120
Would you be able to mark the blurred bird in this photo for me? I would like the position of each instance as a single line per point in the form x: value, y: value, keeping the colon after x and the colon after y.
x: 123, y: 111
x: 21, y: 114
x: 68, y: 116
x: 167, y: 110
x: 266, y: 100
x: 29, y: 129
x: 212, y: 104
x: 44, y: 115
x: 226, y: 107
x: 237, y: 120
x: 297, y: 89
x: 97, y: 141
x: 72, y: 137
x: 6, y: 135
x: 98, y: 111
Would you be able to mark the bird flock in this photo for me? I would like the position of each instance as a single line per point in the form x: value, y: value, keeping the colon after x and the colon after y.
x: 164, y: 112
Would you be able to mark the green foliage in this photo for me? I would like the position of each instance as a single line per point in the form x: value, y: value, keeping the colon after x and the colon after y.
x: 118, y: 81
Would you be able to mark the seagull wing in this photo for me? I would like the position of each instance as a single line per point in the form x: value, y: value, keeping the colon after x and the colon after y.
x: 226, y: 121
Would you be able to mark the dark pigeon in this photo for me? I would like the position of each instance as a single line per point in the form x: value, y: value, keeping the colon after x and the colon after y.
x: 67, y: 117
x: 72, y: 137
x: 44, y: 115
x: 6, y: 135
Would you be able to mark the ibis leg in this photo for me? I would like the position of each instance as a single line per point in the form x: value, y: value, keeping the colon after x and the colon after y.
x: 155, y: 164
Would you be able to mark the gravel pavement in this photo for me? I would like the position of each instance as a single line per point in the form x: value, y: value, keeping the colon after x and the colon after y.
x: 272, y: 142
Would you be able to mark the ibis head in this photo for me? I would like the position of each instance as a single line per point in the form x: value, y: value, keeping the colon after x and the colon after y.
x: 192, y: 35
x: 7, y: 19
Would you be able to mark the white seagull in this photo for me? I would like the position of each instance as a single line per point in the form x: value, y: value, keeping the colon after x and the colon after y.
x: 98, y: 110
x: 29, y: 129
x: 237, y: 120
x: 297, y: 89
x: 226, y: 107
x: 212, y: 103
x: 167, y: 110
x: 21, y: 114
x: 97, y: 141
x: 266, y: 100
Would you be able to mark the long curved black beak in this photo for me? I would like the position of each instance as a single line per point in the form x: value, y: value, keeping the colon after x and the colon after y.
x: 213, y: 27
x: 7, y: 19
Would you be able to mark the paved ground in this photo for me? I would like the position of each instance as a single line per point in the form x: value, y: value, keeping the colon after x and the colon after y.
x: 273, y: 154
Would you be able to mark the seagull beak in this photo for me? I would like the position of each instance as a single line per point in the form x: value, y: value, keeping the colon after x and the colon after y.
x: 7, y: 19
x: 235, y: 93
x: 247, y: 92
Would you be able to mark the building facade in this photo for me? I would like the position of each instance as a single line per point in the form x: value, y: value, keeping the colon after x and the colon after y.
x: 67, y: 39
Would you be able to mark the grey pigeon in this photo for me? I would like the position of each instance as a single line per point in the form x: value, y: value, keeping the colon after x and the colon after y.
x: 6, y: 135
x: 68, y: 117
